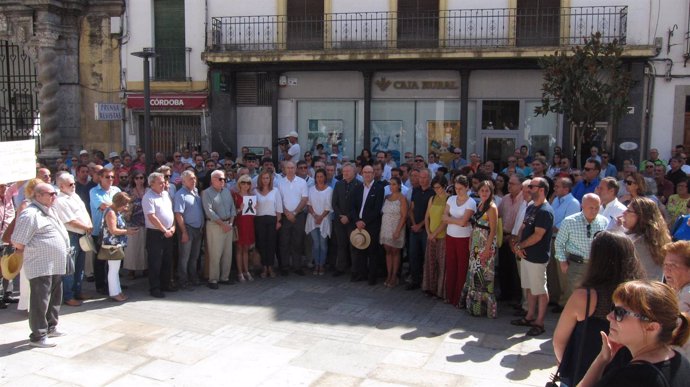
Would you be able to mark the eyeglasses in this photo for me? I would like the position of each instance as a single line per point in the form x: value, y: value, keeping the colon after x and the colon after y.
x: 587, y: 169
x: 71, y: 184
x: 589, y: 231
x: 53, y: 193
x: 124, y: 177
x: 139, y: 178
x: 619, y: 314
x: 418, y: 160
x: 629, y: 182
x: 221, y: 178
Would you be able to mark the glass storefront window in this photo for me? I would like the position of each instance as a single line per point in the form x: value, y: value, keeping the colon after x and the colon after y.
x: 415, y: 126
x: 327, y: 123
x: 540, y: 132
x: 500, y: 115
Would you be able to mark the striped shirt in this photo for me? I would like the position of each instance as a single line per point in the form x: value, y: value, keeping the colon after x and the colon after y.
x: 573, y: 237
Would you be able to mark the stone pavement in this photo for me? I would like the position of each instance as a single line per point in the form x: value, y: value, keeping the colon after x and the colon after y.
x: 276, y: 332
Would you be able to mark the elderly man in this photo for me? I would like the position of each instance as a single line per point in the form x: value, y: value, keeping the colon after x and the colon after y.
x: 220, y: 215
x: 575, y: 239
x: 342, y: 208
x: 508, y: 209
x: 160, y: 229
x: 100, y: 198
x: 71, y: 211
x: 365, y: 213
x: 43, y: 241
x: 532, y: 248
x: 189, y: 216
x: 457, y: 162
x: 294, y: 193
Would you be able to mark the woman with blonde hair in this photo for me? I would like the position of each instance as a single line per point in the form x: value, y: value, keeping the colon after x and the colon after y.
x: 644, y: 323
x: 647, y: 229
x: 245, y: 228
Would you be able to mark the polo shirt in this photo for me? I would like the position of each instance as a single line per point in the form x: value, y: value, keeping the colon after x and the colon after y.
x: 188, y: 204
x: 160, y: 205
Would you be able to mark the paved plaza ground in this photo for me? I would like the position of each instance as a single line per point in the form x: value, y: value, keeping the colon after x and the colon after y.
x: 286, y: 331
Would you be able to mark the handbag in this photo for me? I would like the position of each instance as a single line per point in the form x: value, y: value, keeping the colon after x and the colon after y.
x: 111, y: 253
x: 556, y: 377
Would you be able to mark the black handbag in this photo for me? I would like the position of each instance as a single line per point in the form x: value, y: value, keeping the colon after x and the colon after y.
x: 556, y: 377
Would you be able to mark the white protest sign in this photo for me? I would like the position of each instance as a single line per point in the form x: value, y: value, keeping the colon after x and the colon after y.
x: 18, y: 160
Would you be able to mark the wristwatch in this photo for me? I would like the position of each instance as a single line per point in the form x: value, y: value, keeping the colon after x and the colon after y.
x: 518, y: 247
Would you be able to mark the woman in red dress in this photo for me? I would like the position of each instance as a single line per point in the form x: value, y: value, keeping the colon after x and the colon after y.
x: 245, y: 228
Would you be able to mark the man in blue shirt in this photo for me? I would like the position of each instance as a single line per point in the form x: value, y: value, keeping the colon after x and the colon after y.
x: 189, y: 216
x: 590, y: 179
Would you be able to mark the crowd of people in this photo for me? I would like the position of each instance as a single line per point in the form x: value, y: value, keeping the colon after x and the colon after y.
x: 593, y: 243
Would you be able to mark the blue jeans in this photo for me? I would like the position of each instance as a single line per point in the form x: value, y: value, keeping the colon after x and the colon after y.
x: 71, y: 284
x: 189, y: 256
x: 319, y: 247
x: 416, y: 252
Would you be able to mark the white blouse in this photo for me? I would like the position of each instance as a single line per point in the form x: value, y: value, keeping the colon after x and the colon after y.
x: 457, y: 212
x: 270, y: 205
x: 319, y: 201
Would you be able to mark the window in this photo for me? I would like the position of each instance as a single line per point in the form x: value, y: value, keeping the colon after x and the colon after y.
x: 538, y: 22
x: 169, y: 40
x: 417, y: 23
x: 500, y: 115
x: 305, y: 24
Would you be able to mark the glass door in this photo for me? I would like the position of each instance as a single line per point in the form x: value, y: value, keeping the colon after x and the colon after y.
x: 497, y: 148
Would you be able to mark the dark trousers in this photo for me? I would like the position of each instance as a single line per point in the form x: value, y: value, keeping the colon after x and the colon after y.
x: 342, y: 240
x: 158, y: 251
x: 508, y: 277
x: 44, y: 305
x: 292, y: 241
x: 71, y: 283
x: 365, y: 263
x: 266, y: 238
x: 100, y: 267
x: 417, y: 249
x: 189, y: 256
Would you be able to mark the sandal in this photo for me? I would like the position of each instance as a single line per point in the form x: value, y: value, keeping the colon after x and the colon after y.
x: 536, y: 330
x: 523, y: 322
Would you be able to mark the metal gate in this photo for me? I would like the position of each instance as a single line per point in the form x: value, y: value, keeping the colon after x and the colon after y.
x: 19, y: 115
x: 170, y: 133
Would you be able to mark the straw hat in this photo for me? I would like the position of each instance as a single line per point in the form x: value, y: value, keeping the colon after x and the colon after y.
x: 86, y: 243
x: 293, y: 134
x: 360, y: 239
x: 10, y: 265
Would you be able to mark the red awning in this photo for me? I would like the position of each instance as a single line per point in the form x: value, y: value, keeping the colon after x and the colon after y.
x: 168, y: 101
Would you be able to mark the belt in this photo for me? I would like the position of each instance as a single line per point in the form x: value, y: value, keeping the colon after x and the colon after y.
x: 222, y: 220
x: 576, y: 259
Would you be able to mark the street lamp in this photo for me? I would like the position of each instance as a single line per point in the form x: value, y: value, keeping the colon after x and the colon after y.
x: 147, y: 53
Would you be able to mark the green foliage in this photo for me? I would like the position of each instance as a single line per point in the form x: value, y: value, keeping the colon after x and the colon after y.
x: 587, y: 83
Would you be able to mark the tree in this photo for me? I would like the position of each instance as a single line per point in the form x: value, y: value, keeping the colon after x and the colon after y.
x: 586, y: 83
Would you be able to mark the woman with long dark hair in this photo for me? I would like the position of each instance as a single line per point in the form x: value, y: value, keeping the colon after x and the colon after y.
x: 456, y: 216
x: 612, y: 261
x: 647, y: 229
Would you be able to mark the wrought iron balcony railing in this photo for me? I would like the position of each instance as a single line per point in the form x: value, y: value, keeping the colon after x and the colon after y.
x: 452, y: 29
x: 171, y: 64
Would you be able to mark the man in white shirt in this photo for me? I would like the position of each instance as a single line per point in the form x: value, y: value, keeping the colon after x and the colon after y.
x: 160, y: 229
x: 72, y: 212
x: 611, y: 207
x: 433, y: 163
x: 294, y: 193
x: 294, y: 151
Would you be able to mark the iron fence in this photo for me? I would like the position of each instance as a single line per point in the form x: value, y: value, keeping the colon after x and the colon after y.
x: 19, y: 112
x: 462, y: 29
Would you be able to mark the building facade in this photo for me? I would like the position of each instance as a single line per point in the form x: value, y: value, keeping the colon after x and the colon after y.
x: 399, y: 75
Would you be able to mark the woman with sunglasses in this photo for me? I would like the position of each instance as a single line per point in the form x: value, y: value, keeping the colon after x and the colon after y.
x: 647, y: 229
x: 677, y: 275
x: 644, y: 323
x: 612, y: 262
x: 245, y: 227
x: 635, y: 186
x: 135, y: 252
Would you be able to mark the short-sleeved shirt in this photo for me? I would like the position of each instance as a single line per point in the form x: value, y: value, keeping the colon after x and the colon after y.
x: 97, y: 196
x: 458, y: 212
x: 541, y: 217
x: 292, y: 192
x: 188, y: 203
x: 573, y: 237
x: 159, y: 205
x: 294, y: 151
x: 70, y: 208
x: 45, y: 241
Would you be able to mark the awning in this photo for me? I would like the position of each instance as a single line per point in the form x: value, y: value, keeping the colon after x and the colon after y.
x: 168, y: 101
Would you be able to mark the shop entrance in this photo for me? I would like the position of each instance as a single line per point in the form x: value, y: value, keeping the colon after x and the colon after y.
x: 498, y: 147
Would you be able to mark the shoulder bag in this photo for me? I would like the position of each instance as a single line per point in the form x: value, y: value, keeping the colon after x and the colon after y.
x: 109, y: 252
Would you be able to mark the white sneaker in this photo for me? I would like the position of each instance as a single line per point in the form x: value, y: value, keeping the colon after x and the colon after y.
x: 56, y: 333
x: 43, y: 343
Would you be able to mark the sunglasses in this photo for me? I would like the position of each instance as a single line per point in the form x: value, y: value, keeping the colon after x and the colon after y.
x: 629, y: 182
x: 221, y: 178
x: 587, y: 169
x: 139, y: 178
x: 109, y: 177
x: 589, y: 231
x: 71, y: 184
x: 619, y: 314
x: 534, y: 186
x: 245, y: 182
x: 124, y: 177
x: 419, y: 161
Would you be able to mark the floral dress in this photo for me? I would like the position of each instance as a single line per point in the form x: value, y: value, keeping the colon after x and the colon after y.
x: 478, y: 291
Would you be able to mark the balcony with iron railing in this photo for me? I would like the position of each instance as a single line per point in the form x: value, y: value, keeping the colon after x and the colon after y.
x: 390, y: 33
x: 171, y: 64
